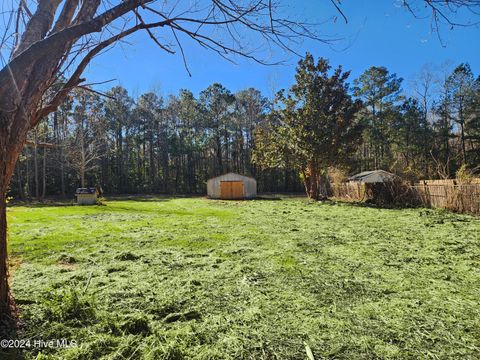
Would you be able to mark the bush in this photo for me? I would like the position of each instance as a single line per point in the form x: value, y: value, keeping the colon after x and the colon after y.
x: 465, y: 175
x: 101, y: 201
x: 337, y: 175
x: 396, y: 193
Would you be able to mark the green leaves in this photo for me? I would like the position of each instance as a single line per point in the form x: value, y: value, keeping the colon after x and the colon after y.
x: 315, y: 122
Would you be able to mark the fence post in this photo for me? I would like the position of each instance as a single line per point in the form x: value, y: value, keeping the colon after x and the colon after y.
x: 426, y: 191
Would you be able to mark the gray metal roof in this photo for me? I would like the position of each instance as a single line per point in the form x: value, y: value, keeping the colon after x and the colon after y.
x: 232, y: 174
x: 90, y: 190
x: 374, y: 176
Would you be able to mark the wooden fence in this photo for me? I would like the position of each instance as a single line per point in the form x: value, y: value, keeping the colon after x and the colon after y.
x: 448, y: 194
x: 447, y: 182
x: 461, y: 198
x: 349, y: 191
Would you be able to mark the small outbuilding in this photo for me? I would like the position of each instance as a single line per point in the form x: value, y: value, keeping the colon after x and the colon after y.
x: 232, y: 186
x: 86, y: 196
x: 373, y: 177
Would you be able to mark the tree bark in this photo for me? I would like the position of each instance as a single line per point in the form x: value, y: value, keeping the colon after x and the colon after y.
x: 4, y: 288
x: 82, y: 156
x: 20, y: 182
x: 12, y: 139
x: 8, y: 157
x: 44, y: 173
x: 316, y: 182
x: 62, y: 172
x: 462, y: 137
x: 35, y: 165
x: 28, y: 192
x: 311, y: 181
x: 82, y: 177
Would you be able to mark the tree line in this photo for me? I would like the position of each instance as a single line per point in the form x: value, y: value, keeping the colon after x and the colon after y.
x: 148, y: 145
x: 324, y: 125
x: 173, y: 145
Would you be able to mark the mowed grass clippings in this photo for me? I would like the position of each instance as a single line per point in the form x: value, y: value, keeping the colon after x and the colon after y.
x: 191, y: 278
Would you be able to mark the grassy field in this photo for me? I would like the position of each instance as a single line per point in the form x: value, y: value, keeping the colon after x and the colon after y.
x: 190, y: 278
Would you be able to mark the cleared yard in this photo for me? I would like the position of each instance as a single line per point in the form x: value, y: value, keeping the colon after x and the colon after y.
x: 190, y: 278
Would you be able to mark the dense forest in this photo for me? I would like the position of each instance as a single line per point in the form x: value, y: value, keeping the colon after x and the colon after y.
x: 173, y: 145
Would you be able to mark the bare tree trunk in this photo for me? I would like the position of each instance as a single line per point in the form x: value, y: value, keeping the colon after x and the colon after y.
x: 4, y: 289
x: 58, y: 131
x: 462, y: 137
x: 125, y: 174
x: 227, y: 150
x: 21, y: 191
x: 10, y: 149
x: 311, y: 180
x: 218, y: 150
x: 316, y: 182
x: 35, y: 165
x: 62, y: 154
x: 62, y: 172
x: 324, y: 186
x: 306, y: 183
x: 314, y: 190
x: 82, y: 153
x: 28, y: 192
x: 44, y: 173
x: 82, y: 176
x: 190, y: 173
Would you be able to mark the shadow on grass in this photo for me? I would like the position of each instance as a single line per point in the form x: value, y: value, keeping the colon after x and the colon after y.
x: 59, y: 202
x: 372, y: 205
x: 10, y: 348
x: 151, y: 198
x: 40, y: 204
x: 267, y: 198
x: 11, y: 354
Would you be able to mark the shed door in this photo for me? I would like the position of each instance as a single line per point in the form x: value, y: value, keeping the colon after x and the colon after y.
x: 231, y: 190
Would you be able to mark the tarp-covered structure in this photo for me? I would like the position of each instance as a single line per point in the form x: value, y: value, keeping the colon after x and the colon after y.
x: 374, y: 176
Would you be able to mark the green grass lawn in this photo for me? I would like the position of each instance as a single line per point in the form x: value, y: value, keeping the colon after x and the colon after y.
x: 191, y: 278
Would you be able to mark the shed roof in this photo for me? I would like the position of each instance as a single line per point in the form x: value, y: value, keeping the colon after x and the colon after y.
x: 374, y: 176
x: 90, y: 190
x: 232, y: 173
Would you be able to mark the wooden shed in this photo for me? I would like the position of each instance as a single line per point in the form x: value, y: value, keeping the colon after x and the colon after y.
x: 86, y: 196
x: 232, y: 186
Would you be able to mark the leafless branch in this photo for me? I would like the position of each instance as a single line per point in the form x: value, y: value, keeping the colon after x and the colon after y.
x: 86, y: 88
x: 334, y: 2
x: 183, y: 53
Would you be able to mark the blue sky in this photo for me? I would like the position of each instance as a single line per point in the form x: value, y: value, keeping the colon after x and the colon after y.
x: 379, y: 32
